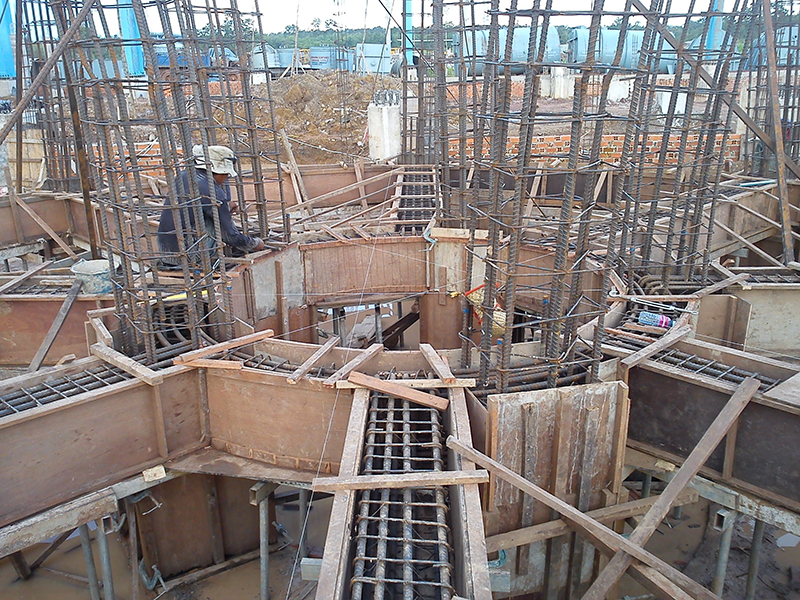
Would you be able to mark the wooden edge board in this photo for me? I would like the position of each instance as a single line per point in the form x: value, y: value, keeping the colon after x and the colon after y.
x: 419, y: 384
x: 400, y: 480
x: 559, y: 527
x: 127, y: 364
x: 399, y: 391
x: 437, y: 363
x: 358, y: 361
x: 222, y: 346
x: 312, y: 360
x: 210, y: 363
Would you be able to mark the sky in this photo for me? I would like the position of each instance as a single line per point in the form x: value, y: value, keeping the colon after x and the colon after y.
x: 277, y: 14
x: 355, y: 14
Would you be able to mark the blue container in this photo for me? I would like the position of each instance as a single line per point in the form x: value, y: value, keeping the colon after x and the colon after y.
x: 519, y: 48
x: 285, y: 56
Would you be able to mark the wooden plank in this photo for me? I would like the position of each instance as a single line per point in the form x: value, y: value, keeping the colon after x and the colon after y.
x: 768, y: 257
x: 210, y: 363
x: 400, y: 480
x: 418, y: 384
x: 50, y: 549
x: 399, y: 391
x: 222, y: 346
x: 560, y: 470
x: 360, y: 360
x: 332, y: 582
x: 350, y: 188
x: 437, y: 363
x: 466, y: 502
x: 58, y: 323
x: 10, y: 285
x: 295, y: 169
x: 721, y: 285
x: 696, y: 459
x: 358, y: 167
x: 660, y: 344
x: 312, y: 360
x: 607, y: 540
x: 127, y: 364
x: 609, y: 514
x: 66, y: 517
x: 42, y: 223
x: 103, y: 334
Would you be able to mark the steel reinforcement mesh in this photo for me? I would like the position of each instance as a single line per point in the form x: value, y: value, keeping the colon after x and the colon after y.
x: 402, y: 537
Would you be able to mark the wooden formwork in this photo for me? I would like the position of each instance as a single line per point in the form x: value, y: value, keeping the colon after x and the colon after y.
x: 569, y: 441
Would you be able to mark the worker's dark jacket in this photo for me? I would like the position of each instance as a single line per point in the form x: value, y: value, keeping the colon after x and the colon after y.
x: 231, y: 236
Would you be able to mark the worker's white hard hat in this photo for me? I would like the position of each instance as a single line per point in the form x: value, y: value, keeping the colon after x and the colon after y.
x: 222, y: 159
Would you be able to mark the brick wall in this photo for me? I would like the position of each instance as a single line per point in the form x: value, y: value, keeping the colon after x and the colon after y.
x: 610, y: 150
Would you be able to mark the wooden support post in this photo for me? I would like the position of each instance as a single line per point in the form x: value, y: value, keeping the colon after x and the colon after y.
x: 312, y: 360
x: 133, y: 550
x: 358, y: 167
x: 658, y: 575
x: 50, y: 549
x: 283, y: 305
x: 294, y: 168
x: 399, y: 391
x: 357, y: 362
x: 437, y: 363
x: 696, y: 459
x: 56, y: 326
x: 18, y: 559
x: 777, y: 131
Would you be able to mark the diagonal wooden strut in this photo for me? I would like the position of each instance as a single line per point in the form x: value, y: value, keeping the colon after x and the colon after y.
x: 647, y: 526
x: 661, y: 578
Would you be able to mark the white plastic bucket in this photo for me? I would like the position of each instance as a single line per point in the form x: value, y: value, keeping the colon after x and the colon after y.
x: 94, y: 275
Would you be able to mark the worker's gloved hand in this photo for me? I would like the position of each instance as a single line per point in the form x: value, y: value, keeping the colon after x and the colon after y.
x: 260, y: 246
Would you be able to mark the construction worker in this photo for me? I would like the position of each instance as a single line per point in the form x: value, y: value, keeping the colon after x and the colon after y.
x: 222, y: 161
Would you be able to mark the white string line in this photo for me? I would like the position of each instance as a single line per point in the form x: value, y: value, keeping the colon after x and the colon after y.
x: 304, y: 528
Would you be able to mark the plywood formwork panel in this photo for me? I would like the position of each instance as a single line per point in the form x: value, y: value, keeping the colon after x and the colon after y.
x: 354, y: 272
x: 52, y: 210
x: 261, y: 416
x: 177, y: 536
x: 569, y: 441
x: 70, y: 447
x: 25, y: 320
x: 669, y: 415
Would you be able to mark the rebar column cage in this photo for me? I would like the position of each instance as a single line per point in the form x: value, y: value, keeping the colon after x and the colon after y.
x: 598, y: 184
x: 402, y: 538
x: 144, y: 98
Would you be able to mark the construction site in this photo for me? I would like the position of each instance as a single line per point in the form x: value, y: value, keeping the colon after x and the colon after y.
x: 518, y: 315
